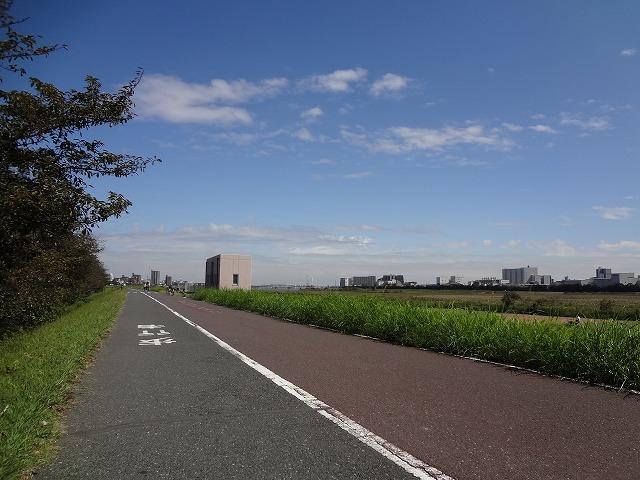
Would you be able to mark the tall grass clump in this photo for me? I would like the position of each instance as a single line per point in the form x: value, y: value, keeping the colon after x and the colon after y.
x: 598, y: 352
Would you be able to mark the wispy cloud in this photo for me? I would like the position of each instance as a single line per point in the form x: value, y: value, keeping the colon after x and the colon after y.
x: 303, y: 134
x: 621, y: 245
x: 566, y: 221
x: 337, y: 81
x: 613, y: 213
x: 511, y: 244
x: 312, y: 114
x: 588, y: 123
x: 628, y: 52
x: 171, y: 99
x: 512, y: 127
x: 323, y: 161
x: 389, y: 83
x: 560, y: 248
x: 542, y: 128
x: 398, y: 140
x: 357, y: 175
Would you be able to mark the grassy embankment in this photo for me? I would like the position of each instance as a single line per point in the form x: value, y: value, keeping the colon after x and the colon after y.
x: 37, y: 370
x: 602, y: 352
x: 600, y: 305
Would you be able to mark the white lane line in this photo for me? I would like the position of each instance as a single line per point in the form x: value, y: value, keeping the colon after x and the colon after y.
x: 398, y: 456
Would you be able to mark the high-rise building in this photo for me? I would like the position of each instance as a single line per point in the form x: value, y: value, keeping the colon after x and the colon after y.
x: 167, y: 279
x: 519, y: 276
x: 368, y: 281
x: 437, y: 280
x: 602, y: 272
x: 228, y: 271
x: 155, y: 277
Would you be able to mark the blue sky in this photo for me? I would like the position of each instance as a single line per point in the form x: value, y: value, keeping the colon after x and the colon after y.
x: 349, y: 138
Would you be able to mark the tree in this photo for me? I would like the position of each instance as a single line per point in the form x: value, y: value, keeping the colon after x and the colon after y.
x: 46, y: 166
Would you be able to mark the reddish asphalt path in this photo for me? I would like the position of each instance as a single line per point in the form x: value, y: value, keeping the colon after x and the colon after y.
x: 469, y: 419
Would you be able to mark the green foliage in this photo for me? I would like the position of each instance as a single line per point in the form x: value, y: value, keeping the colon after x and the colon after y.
x: 600, y: 352
x: 47, y: 207
x: 37, y: 369
x: 509, y: 299
x: 606, y: 306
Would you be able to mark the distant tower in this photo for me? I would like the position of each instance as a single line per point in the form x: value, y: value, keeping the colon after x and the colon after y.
x: 155, y: 277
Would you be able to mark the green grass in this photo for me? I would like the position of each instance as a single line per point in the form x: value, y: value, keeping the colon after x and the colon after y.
x: 599, y: 305
x: 598, y: 352
x: 37, y: 370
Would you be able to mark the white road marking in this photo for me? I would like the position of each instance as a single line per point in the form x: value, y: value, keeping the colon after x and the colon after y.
x: 398, y: 456
x: 156, y: 341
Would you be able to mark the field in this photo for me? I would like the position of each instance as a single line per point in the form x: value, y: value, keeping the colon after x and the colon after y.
x: 605, y: 352
x: 37, y: 370
x: 618, y: 306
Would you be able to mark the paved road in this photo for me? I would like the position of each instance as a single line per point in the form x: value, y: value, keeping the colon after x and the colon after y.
x: 191, y: 410
x: 470, y: 420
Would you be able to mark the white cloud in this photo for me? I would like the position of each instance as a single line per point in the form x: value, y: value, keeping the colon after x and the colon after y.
x: 621, y: 245
x: 566, y: 221
x: 303, y: 134
x: 351, y: 239
x: 590, y: 123
x: 172, y: 99
x: 338, y: 81
x: 512, y: 244
x: 542, y: 129
x: 312, y: 114
x: 397, y: 140
x: 491, y: 70
x: 512, y: 127
x: 560, y: 248
x: 628, y: 52
x: 357, y: 175
x: 538, y: 116
x: 323, y: 161
x: 487, y: 243
x: 613, y: 213
x: 247, y: 138
x: 388, y: 83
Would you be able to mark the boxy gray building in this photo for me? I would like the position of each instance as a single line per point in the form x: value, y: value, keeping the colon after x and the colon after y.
x: 228, y: 271
x: 519, y: 276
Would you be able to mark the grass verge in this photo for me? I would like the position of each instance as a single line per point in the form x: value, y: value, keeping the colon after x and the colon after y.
x: 37, y: 370
x: 598, y: 352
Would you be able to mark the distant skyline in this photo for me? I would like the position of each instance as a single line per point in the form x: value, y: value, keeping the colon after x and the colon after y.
x: 361, y: 138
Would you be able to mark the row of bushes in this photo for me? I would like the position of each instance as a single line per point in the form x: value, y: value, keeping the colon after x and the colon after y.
x: 602, y: 352
x: 38, y: 286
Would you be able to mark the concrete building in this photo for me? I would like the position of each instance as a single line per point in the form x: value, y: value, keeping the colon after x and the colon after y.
x: 604, y: 278
x: 368, y: 281
x: 155, y: 277
x: 167, y: 280
x: 519, y: 276
x: 602, y: 272
x: 623, y: 278
x: 228, y: 271
x: 437, y: 280
x: 540, y: 280
x: 456, y: 280
x: 136, y: 279
x: 391, y: 280
x: 345, y: 282
x: 486, y: 282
